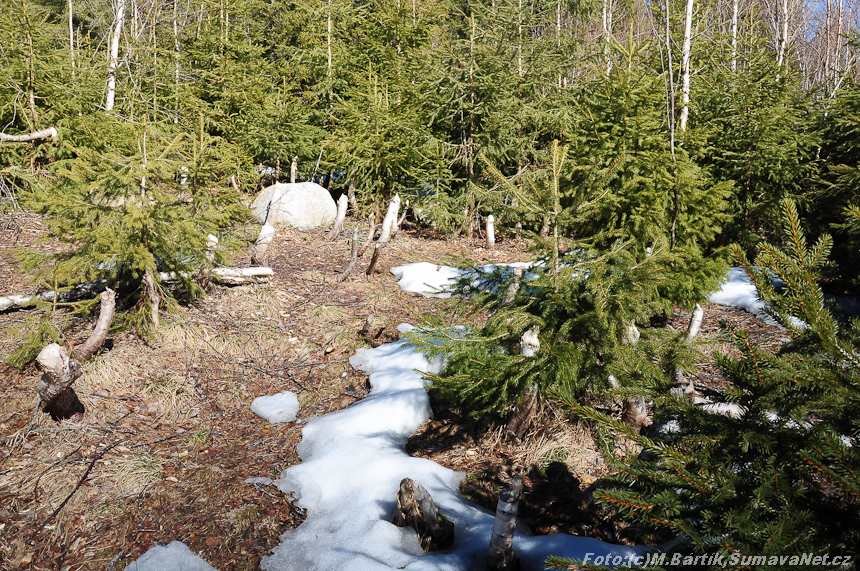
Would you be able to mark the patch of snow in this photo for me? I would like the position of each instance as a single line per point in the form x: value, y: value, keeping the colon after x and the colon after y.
x: 278, y: 408
x: 352, y: 463
x: 739, y: 291
x: 174, y: 557
x: 433, y: 280
x: 262, y: 480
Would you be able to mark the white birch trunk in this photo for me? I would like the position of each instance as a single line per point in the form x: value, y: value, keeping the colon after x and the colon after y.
x: 734, y: 35
x: 685, y: 65
x: 783, y: 35
x: 71, y: 38
x: 491, y: 232
x: 116, y: 33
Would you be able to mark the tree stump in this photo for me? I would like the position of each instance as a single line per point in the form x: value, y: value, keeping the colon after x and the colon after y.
x: 501, y: 556
x: 416, y: 509
x: 55, y: 386
x: 61, y: 370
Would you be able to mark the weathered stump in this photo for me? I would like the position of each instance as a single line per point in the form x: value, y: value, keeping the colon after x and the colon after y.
x: 416, y: 509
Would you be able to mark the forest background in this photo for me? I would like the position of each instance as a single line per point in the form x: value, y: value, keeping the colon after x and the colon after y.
x: 696, y: 117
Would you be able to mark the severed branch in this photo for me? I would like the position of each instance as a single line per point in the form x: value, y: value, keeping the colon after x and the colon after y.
x: 335, y: 231
x: 48, y: 133
x: 370, y: 233
x: 352, y: 258
x: 95, y: 459
x: 86, y: 350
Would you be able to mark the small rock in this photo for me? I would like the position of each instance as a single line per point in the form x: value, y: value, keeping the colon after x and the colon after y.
x: 102, y: 393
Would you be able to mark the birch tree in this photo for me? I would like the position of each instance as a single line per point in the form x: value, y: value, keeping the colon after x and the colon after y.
x: 116, y: 33
x: 685, y: 66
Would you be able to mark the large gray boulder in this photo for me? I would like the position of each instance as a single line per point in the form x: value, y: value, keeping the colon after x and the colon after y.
x: 304, y: 205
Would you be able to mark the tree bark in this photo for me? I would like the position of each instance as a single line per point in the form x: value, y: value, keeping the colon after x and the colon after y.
x: 370, y: 232
x: 416, y: 509
x: 692, y: 330
x: 491, y: 232
x: 501, y: 555
x: 342, y: 203
x: 352, y: 257
x: 267, y: 232
x: 389, y: 220
x: 55, y: 386
x: 71, y: 38
x: 521, y: 418
x: 48, y: 133
x: 86, y: 350
x: 734, y: 35
x: 114, y: 55
x: 61, y: 370
x: 293, y: 167
x: 685, y: 65
x: 154, y: 298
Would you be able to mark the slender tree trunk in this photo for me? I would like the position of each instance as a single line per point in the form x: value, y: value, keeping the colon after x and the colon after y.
x: 31, y: 68
x: 735, y: 35
x: 783, y: 35
x: 71, y: 38
x: 685, y: 65
x: 329, y: 68
x: 176, y: 60
x: 116, y: 33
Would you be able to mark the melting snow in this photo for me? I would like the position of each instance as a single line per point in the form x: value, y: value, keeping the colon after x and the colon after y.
x: 352, y: 463
x: 278, y: 408
x: 174, y: 557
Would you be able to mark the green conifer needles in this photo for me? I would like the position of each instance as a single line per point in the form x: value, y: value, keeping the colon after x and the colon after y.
x: 136, y: 209
x: 776, y: 470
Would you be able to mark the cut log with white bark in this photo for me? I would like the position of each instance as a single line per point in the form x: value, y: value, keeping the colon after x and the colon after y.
x: 342, y: 203
x: 48, y: 133
x: 389, y: 220
x: 293, y: 168
x: 230, y: 276
x: 491, y: 232
x: 416, y: 509
x: 82, y: 291
x: 501, y: 555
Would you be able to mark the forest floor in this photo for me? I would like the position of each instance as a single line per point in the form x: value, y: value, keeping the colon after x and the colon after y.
x: 167, y: 439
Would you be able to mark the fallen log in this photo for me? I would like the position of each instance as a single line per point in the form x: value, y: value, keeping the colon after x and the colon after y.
x: 48, y: 133
x: 229, y: 276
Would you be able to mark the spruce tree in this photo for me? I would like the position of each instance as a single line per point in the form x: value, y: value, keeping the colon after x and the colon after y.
x: 583, y: 299
x: 778, y: 473
x: 130, y: 210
